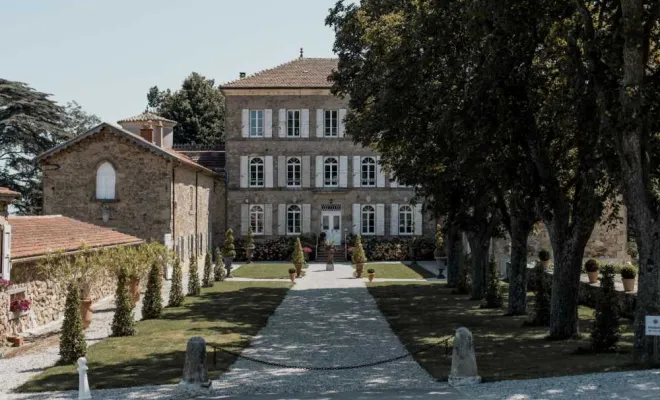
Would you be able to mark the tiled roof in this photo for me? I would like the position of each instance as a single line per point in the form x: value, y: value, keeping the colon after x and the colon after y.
x: 146, y: 116
x: 35, y: 236
x: 6, y: 192
x: 299, y: 73
x: 211, y: 159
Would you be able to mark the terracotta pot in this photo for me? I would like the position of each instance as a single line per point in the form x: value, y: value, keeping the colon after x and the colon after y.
x: 292, y: 277
x: 545, y: 264
x: 358, y: 270
x: 86, y: 312
x: 628, y: 284
x: 298, y: 270
x: 134, y: 288
x: 593, y: 276
x: 371, y: 277
x: 16, y: 341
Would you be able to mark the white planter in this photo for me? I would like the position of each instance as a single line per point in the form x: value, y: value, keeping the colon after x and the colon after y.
x: 17, y: 315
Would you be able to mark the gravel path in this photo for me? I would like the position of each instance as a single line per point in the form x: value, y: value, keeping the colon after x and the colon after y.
x: 326, y: 319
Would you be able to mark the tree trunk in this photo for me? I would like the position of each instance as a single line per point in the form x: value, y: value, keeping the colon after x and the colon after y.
x: 518, y: 279
x: 454, y: 250
x: 568, y: 255
x: 479, y: 249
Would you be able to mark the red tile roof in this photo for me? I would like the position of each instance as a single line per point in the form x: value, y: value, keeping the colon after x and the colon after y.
x: 8, y: 192
x: 298, y: 73
x: 146, y: 116
x: 34, y: 236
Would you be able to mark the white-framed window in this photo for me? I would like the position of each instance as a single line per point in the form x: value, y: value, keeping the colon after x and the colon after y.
x: 256, y: 123
x: 406, y: 220
x: 368, y: 172
x: 331, y: 172
x: 256, y: 167
x: 368, y: 220
x: 257, y: 219
x: 105, y: 182
x: 293, y: 220
x: 293, y: 172
x: 331, y: 123
x: 293, y: 123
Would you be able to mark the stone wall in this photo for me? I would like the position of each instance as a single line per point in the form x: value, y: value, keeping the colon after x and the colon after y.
x: 192, y: 211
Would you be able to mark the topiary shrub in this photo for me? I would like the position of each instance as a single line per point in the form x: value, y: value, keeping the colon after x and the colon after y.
x: 123, y: 322
x: 542, y: 294
x: 544, y: 255
x: 358, y: 256
x: 219, y: 271
x: 591, y: 265
x: 228, y: 249
x: 605, y: 330
x: 152, y: 305
x: 72, y: 339
x: 298, y: 256
x: 493, y: 297
x: 176, y: 290
x: 193, y: 278
x: 208, y: 270
x: 628, y: 272
x: 371, y: 271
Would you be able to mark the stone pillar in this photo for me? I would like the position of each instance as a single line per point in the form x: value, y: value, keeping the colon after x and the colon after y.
x: 195, y: 376
x: 463, y: 360
x: 83, y: 383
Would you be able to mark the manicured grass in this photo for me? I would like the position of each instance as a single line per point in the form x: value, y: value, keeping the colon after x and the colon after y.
x: 263, y: 270
x: 230, y: 314
x: 423, y: 313
x: 398, y: 271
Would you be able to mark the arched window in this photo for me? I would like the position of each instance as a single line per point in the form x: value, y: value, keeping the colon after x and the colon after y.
x: 368, y: 220
x: 406, y: 224
x: 105, y: 182
x: 256, y: 172
x: 257, y: 220
x: 293, y: 220
x: 293, y: 172
x: 331, y: 172
x: 368, y: 175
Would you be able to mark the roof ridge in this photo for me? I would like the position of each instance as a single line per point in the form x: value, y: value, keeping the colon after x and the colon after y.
x: 37, y: 216
x: 284, y: 64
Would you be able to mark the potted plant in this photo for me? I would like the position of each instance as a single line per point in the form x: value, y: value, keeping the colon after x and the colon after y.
x: 4, y: 284
x: 298, y: 257
x: 249, y: 245
x: 438, y: 252
x: 292, y: 274
x: 544, y: 257
x: 358, y: 257
x: 228, y: 251
x: 628, y: 275
x: 591, y: 266
x: 372, y: 274
x: 20, y: 307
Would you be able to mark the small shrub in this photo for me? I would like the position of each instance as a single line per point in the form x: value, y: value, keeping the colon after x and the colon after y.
x: 298, y: 257
x: 628, y: 272
x: 542, y: 295
x: 371, y: 271
x: 544, y: 255
x: 358, y: 256
x: 193, y: 278
x: 72, y: 339
x: 249, y: 241
x: 493, y: 297
x: 176, y: 290
x: 228, y: 249
x: 123, y: 322
x: 219, y: 271
x: 591, y: 265
x: 152, y: 305
x: 292, y: 270
x: 605, y: 331
x: 208, y: 270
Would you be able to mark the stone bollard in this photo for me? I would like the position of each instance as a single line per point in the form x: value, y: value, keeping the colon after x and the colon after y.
x: 195, y: 376
x: 463, y: 360
x: 83, y: 384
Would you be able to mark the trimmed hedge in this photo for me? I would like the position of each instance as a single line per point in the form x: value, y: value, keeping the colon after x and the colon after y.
x: 279, y: 249
x: 394, y: 249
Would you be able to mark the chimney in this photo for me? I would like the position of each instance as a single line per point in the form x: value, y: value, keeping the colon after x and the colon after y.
x: 241, y: 75
x: 147, y: 132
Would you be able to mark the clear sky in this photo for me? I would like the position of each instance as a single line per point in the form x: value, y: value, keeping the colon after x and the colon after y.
x: 106, y: 54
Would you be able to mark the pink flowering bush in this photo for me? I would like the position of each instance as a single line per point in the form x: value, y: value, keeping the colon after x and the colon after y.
x: 4, y: 283
x: 20, y: 305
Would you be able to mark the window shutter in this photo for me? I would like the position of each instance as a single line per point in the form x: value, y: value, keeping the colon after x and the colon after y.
x: 304, y: 132
x: 305, y: 171
x: 418, y: 219
x: 281, y: 219
x: 356, y: 171
x: 268, y: 129
x: 393, y: 182
x: 244, y: 171
x: 268, y: 219
x: 380, y: 178
x: 306, y: 218
x: 342, y: 117
x: 281, y: 171
x: 343, y: 171
x: 394, y: 220
x: 319, y: 123
x: 245, y: 123
x: 268, y: 171
x: 282, y: 123
x: 245, y: 218
x: 319, y: 171
x: 5, y: 251
x: 380, y: 219
x: 356, y: 219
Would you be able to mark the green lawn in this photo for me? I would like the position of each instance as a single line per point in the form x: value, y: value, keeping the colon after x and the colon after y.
x: 398, y: 271
x: 230, y: 313
x: 263, y: 270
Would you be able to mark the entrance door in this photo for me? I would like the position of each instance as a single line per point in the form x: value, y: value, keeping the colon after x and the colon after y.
x: 331, y: 225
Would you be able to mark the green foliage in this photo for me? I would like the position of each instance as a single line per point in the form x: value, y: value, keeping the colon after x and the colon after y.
x: 493, y: 298
x: 394, y: 249
x: 628, y: 272
x: 219, y: 271
x: 278, y: 249
x: 176, y: 290
x: 298, y: 256
x: 591, y: 265
x: 228, y: 249
x: 358, y: 256
x: 77, y: 121
x: 72, y: 338
x: 439, y: 241
x: 542, y: 292
x: 463, y: 285
x: 371, y: 271
x: 292, y: 270
x: 544, y: 255
x: 123, y: 322
x: 249, y: 242
x: 193, y: 277
x: 605, y: 330
x: 208, y: 270
x: 152, y: 305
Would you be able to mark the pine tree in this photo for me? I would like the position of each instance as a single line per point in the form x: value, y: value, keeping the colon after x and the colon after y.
x: 605, y: 331
x: 219, y: 271
x: 176, y: 290
x: 152, y: 305
x: 123, y: 323
x: 193, y: 278
x: 493, y: 297
x: 208, y: 270
x: 72, y: 339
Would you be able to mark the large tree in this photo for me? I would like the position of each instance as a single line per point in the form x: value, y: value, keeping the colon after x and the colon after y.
x: 198, y: 108
x: 77, y: 120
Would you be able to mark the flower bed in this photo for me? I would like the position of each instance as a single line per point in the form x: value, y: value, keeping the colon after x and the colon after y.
x: 279, y: 249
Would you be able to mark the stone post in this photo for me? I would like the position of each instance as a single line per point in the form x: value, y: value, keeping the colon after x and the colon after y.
x: 195, y: 376
x: 463, y: 360
x: 83, y: 384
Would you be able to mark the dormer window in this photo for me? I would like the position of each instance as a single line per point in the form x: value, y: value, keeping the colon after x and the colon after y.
x: 105, y: 182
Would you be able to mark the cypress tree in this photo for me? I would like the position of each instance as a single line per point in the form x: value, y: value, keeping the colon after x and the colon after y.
x: 193, y: 278
x: 605, y: 331
x: 152, y: 305
x: 176, y: 290
x: 208, y: 270
x: 219, y: 270
x: 72, y: 339
x: 123, y: 323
